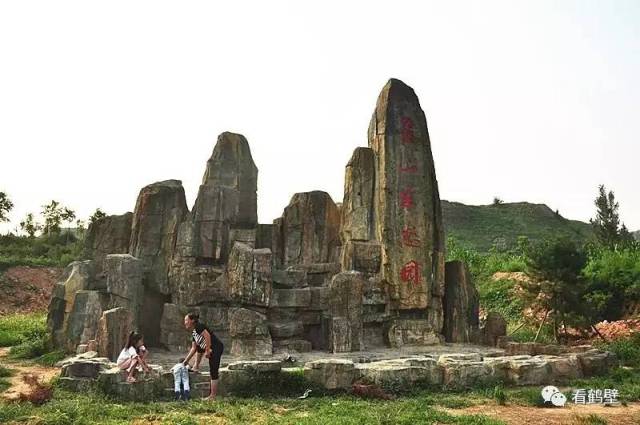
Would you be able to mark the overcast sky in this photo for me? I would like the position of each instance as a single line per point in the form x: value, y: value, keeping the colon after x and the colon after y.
x: 533, y: 101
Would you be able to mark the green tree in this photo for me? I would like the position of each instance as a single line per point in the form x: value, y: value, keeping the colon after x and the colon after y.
x: 606, y: 223
x: 497, y: 201
x: 557, y: 287
x: 97, y: 215
x: 30, y: 226
x: 5, y: 207
x: 54, y: 214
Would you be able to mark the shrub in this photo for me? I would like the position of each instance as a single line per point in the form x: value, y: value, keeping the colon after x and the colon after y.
x: 627, y: 350
x: 613, y: 278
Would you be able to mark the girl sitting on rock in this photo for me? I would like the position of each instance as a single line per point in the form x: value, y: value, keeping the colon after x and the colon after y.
x: 133, y: 355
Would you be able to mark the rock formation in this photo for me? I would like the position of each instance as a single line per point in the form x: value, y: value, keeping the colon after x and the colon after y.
x: 368, y: 271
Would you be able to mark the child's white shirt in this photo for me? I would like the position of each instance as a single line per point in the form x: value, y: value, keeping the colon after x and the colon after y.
x: 126, y: 354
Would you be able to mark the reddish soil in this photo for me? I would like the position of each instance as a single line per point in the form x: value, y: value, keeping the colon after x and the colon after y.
x: 571, y: 414
x: 17, y: 382
x: 27, y: 289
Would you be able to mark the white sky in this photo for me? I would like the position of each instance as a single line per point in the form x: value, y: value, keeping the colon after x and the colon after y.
x: 530, y: 101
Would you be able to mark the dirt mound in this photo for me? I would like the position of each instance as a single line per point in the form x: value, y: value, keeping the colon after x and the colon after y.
x: 619, y: 329
x: 27, y: 289
x: 519, y: 277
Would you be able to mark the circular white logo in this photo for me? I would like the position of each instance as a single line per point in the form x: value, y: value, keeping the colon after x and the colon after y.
x: 552, y: 394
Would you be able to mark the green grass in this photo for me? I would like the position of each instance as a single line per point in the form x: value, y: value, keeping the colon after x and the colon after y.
x: 68, y: 408
x: 18, y: 328
x: 5, y: 373
x: 28, y: 337
x: 591, y: 420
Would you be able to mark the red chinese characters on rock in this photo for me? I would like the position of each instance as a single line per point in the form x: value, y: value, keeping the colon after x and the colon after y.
x: 410, y: 272
x: 410, y: 237
x: 406, y: 131
x: 409, y: 169
x: 406, y: 198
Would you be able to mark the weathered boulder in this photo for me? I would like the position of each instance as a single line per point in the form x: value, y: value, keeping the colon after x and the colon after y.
x: 82, y: 322
x: 362, y: 256
x: 407, y: 204
x: 113, y: 330
x: 331, y: 373
x: 285, y: 329
x: 107, y: 235
x: 595, y: 362
x: 493, y: 328
x: 172, y: 332
x: 257, y: 366
x: 345, y: 310
x: 56, y: 315
x: 529, y: 371
x: 400, y: 332
x: 160, y: 208
x: 290, y: 298
x: 227, y: 199
x: 357, y: 207
x: 402, y: 372
x: 289, y: 278
x: 194, y: 285
x: 124, y: 283
x: 250, y: 333
x: 308, y: 231
x: 563, y: 368
x: 291, y: 345
x: 461, y: 304
x: 248, y: 275
x: 466, y: 374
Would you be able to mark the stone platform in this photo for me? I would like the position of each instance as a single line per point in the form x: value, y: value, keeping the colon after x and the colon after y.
x: 446, y: 366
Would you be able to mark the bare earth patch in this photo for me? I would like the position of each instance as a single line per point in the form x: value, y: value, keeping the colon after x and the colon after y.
x: 568, y: 415
x: 27, y: 289
x: 17, y: 383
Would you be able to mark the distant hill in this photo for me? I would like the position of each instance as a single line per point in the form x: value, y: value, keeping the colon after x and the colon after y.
x: 636, y: 235
x: 482, y: 226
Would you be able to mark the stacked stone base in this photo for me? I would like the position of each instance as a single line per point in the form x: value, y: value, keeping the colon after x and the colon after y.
x: 464, y: 370
x: 451, y: 370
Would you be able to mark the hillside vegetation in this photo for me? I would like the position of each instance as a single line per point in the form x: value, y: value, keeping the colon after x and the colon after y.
x: 484, y: 226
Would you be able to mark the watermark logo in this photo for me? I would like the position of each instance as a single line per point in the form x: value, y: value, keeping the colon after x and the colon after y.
x: 608, y: 397
x: 551, y: 394
x: 596, y: 396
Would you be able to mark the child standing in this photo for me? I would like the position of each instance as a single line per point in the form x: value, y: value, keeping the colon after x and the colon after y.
x: 133, y: 355
x: 181, y: 381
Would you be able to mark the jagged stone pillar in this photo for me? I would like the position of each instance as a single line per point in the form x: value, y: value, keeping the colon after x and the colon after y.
x: 227, y: 198
x: 407, y: 205
x: 461, y: 305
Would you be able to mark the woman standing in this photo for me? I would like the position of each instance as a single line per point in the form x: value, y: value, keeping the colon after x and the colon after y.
x: 204, y: 342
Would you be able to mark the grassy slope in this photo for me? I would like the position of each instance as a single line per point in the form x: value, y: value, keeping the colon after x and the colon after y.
x: 479, y: 226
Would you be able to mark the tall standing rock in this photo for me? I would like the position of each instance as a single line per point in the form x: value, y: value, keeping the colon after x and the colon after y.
x: 461, y: 304
x: 160, y: 209
x: 357, y: 206
x: 227, y: 198
x: 108, y: 235
x: 308, y: 231
x: 407, y: 204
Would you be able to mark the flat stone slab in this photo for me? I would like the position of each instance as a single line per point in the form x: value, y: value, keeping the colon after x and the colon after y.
x: 257, y: 366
